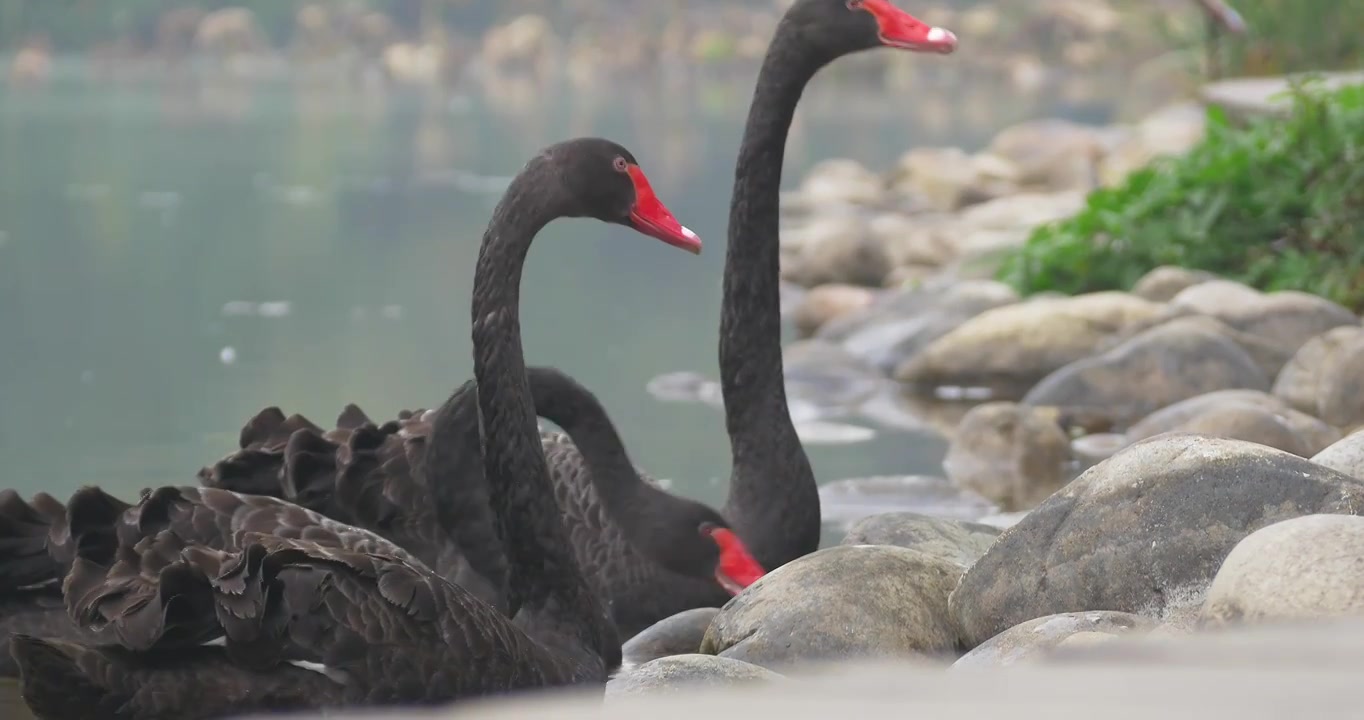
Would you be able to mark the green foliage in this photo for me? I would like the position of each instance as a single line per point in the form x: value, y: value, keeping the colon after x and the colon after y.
x: 1277, y: 204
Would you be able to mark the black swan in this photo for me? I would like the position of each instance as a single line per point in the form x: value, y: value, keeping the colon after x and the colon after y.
x: 316, y: 613
x: 773, y: 505
x: 773, y: 499
x: 412, y: 481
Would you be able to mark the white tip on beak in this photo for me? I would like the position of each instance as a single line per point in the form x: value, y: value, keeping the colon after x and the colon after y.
x: 939, y: 35
x: 687, y: 231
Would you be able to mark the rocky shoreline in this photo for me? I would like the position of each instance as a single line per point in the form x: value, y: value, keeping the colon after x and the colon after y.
x: 1164, y: 462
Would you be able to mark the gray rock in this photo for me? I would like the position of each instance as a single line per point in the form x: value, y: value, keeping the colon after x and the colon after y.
x: 825, y: 303
x: 915, y: 299
x: 686, y: 673
x: 840, y: 602
x: 1051, y: 153
x: 1011, y: 454
x: 1035, y: 638
x: 1010, y: 348
x: 677, y: 635
x: 903, y: 322
x: 851, y: 500
x: 1007, y: 217
x: 841, y: 181
x: 946, y: 179
x: 1172, y: 416
x: 1342, y: 389
x: 919, y: 240
x: 1249, y: 423
x: 1249, y: 415
x: 960, y: 542
x: 1287, y: 319
x: 1268, y: 355
x: 835, y: 249
x: 1165, y: 282
x: 1345, y: 455
x: 1303, y: 381
x: 1142, y: 532
x: 1300, y: 569
x: 1163, y: 365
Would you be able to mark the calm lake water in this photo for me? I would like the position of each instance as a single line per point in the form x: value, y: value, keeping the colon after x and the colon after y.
x: 142, y: 224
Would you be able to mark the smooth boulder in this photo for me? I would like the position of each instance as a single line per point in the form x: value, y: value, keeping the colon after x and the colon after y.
x: 1012, y: 454
x: 1035, y: 638
x: 841, y: 602
x: 960, y: 542
x: 836, y: 248
x: 904, y: 322
x: 1240, y: 415
x: 684, y: 673
x: 826, y: 303
x: 1012, y: 347
x: 1268, y: 355
x: 1299, y: 380
x: 1163, y: 365
x: 1143, y: 532
x: 1162, y: 284
x: 1300, y: 569
x: 679, y: 634
x: 1342, y: 389
x: 1345, y: 455
x: 1288, y: 318
x: 1249, y: 423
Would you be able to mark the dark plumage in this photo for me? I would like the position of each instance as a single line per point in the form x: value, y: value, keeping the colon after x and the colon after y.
x: 642, y: 548
x: 773, y: 500
x: 282, y: 584
x: 648, y: 561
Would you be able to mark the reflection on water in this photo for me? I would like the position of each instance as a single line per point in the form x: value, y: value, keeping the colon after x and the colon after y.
x: 172, y: 260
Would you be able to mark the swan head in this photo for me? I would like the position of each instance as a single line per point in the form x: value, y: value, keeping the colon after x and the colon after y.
x: 604, y: 181
x: 840, y: 27
x: 688, y: 538
x: 735, y: 567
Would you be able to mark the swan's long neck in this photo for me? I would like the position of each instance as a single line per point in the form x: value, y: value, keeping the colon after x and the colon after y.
x: 561, y: 400
x: 543, y: 578
x: 632, y: 503
x: 773, y: 502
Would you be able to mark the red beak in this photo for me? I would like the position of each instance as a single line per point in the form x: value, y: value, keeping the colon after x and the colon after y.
x: 651, y: 217
x: 899, y: 29
x: 737, y: 568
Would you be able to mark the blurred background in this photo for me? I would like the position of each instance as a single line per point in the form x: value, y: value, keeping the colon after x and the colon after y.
x: 210, y: 207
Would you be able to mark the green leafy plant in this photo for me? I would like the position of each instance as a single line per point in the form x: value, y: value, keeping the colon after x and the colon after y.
x: 1277, y: 204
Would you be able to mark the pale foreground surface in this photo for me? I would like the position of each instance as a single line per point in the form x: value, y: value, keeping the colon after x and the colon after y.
x: 1310, y: 671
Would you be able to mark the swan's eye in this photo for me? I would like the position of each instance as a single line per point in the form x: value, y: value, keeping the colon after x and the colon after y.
x: 854, y: 4
x: 620, y: 164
